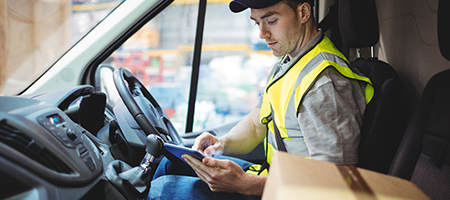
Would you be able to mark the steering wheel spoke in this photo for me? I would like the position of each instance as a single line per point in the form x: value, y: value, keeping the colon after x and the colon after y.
x: 148, y: 114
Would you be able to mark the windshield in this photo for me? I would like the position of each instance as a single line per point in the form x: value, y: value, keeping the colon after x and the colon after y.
x: 34, y: 34
x: 233, y: 68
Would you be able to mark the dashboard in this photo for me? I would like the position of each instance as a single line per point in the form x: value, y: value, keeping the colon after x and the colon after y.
x: 48, y: 152
x: 67, y: 144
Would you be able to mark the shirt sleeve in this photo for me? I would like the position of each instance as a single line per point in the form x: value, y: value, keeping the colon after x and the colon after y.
x: 330, y: 118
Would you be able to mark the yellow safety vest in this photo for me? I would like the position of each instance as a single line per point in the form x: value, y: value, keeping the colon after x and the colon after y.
x: 284, y: 95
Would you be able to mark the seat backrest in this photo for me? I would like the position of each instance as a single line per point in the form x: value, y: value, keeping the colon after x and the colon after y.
x: 381, y: 132
x: 424, y: 153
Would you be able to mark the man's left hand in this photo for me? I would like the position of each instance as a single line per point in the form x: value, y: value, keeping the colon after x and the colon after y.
x: 219, y: 175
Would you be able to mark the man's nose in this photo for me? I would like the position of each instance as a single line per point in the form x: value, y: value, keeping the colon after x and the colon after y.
x: 263, y: 32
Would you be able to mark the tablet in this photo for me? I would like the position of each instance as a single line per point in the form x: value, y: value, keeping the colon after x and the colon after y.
x: 177, y: 151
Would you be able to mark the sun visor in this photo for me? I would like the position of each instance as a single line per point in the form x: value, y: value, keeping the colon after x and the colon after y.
x: 358, y: 23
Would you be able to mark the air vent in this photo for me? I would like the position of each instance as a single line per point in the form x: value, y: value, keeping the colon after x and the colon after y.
x: 19, y: 141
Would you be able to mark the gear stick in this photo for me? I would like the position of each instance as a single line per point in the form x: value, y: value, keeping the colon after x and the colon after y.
x: 134, y: 183
x: 153, y: 146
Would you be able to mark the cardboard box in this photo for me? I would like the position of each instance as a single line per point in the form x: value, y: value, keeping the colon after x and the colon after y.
x: 295, y: 177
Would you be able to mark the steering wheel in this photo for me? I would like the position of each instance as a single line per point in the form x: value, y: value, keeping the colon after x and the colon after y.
x: 148, y: 114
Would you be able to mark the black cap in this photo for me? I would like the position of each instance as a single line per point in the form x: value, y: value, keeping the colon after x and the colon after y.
x: 240, y: 5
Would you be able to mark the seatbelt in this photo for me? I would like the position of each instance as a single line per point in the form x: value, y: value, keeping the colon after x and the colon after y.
x: 279, y: 139
x: 266, y: 164
x: 280, y: 144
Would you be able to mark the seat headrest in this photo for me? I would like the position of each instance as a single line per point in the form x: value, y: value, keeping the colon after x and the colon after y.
x: 358, y: 23
x: 443, y: 30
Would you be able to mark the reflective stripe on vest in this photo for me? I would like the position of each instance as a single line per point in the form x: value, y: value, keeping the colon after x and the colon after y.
x: 284, y: 94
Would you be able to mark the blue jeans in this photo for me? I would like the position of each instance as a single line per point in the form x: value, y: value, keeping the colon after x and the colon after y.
x: 177, y: 180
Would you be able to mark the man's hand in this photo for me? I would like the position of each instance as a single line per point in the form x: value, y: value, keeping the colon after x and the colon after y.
x: 208, y: 144
x: 226, y: 176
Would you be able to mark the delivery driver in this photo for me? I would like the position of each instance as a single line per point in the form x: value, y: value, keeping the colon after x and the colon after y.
x: 312, y: 106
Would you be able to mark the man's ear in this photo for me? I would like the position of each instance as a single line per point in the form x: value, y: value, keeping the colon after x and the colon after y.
x: 304, y: 12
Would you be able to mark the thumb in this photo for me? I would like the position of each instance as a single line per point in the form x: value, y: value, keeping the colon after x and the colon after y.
x: 214, y: 150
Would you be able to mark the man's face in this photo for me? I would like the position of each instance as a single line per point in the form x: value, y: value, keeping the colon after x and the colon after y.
x: 280, y: 27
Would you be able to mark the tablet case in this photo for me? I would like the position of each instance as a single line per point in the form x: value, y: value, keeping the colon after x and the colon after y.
x: 176, y: 151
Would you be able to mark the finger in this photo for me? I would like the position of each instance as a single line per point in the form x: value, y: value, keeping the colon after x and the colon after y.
x: 201, y: 142
x: 197, y: 165
x: 202, y: 171
x: 214, y: 150
x: 193, y: 162
x: 211, y: 171
x: 216, y: 163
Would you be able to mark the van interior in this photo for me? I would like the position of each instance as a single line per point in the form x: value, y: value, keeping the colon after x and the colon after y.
x: 91, y: 90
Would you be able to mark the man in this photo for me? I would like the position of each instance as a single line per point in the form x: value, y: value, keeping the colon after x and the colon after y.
x: 312, y: 106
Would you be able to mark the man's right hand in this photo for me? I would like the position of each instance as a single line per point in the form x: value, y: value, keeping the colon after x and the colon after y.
x: 208, y: 144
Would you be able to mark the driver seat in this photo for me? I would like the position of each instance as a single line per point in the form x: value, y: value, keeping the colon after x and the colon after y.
x: 381, y: 131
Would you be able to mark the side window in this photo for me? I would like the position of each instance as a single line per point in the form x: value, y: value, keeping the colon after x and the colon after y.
x: 233, y: 69
x: 160, y: 56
